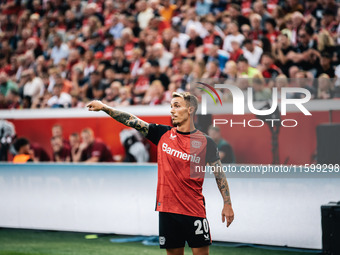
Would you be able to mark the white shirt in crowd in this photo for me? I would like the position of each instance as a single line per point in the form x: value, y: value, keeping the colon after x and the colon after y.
x: 198, y: 27
x: 253, y: 57
x: 64, y: 99
x: 229, y: 38
x: 58, y: 53
x: 182, y: 40
x: 34, y: 88
x: 165, y: 60
x: 144, y: 17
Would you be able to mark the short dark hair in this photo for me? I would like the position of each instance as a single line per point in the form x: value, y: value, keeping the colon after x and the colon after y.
x: 154, y: 63
x: 309, y: 30
x: 326, y: 54
x: 20, y: 142
x: 271, y: 21
x: 237, y: 7
x: 246, y: 41
x: 242, y: 59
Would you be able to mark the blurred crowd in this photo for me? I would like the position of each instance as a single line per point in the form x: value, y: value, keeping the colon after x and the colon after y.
x: 77, y: 147
x: 64, y: 53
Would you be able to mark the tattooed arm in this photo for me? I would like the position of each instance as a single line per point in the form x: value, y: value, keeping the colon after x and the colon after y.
x: 125, y: 118
x: 221, y: 180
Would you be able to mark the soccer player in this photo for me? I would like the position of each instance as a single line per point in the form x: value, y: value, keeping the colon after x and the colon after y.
x: 180, y: 202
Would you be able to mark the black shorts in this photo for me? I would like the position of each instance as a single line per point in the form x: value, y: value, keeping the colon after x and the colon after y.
x: 175, y: 229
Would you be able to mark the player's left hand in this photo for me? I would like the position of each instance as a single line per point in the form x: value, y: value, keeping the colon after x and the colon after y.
x: 227, y: 214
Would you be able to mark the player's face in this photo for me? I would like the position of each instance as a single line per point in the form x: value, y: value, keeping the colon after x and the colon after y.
x: 179, y: 111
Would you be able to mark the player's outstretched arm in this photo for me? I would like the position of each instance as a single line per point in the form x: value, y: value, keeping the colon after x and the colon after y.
x: 222, y: 183
x: 125, y: 118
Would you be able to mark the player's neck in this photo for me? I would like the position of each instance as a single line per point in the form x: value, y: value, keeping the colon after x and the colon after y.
x: 186, y: 127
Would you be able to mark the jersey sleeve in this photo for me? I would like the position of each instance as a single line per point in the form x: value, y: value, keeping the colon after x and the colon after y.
x: 156, y: 131
x: 212, y: 151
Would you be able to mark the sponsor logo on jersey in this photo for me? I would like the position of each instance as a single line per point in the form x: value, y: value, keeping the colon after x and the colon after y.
x: 207, y: 237
x: 161, y: 240
x: 196, y: 144
x: 179, y: 154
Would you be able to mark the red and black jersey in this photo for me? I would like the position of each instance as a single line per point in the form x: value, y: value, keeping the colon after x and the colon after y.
x: 179, y: 188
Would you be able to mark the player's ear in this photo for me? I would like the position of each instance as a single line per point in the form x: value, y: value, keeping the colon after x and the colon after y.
x: 191, y: 110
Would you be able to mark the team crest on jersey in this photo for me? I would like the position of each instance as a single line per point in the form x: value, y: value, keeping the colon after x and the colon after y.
x: 161, y: 240
x: 196, y: 144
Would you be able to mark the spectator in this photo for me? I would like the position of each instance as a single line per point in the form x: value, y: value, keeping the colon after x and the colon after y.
x: 94, y: 88
x: 74, y: 145
x: 281, y: 49
x: 328, y: 21
x: 252, y: 52
x: 142, y: 82
x: 154, y: 95
x: 60, y: 152
x: 225, y: 150
x: 6, y: 84
x: 236, y: 52
x: 96, y: 44
x: 60, y: 50
x: 234, y: 34
x: 135, y: 150
x: 59, y: 99
x: 297, y: 23
x: 325, y: 66
x: 137, y: 62
x: 121, y: 66
x: 260, y: 92
x: 305, y: 54
x: 212, y: 37
x: 116, y: 27
x: 92, y: 150
x: 257, y: 31
x: 162, y: 56
x: 230, y: 71
x: 271, y: 32
x: 325, y: 87
x: 124, y: 97
x: 212, y: 70
x: 156, y: 74
x: 57, y: 131
x: 31, y: 85
x: 235, y: 14
x: 268, y: 68
x: 145, y: 14
x: 13, y: 99
x: 193, y: 43
x: 24, y: 153
x: 244, y: 68
x: 260, y: 9
x: 220, y: 56
x: 112, y: 94
x: 302, y: 80
x: 281, y: 81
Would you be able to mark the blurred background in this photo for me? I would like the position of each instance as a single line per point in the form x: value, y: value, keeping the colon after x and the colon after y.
x: 86, y: 172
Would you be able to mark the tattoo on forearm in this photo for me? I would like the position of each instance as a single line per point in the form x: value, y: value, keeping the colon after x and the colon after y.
x: 128, y: 119
x: 222, y: 182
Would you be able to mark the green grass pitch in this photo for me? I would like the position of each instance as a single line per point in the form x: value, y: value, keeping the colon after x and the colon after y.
x: 33, y: 242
